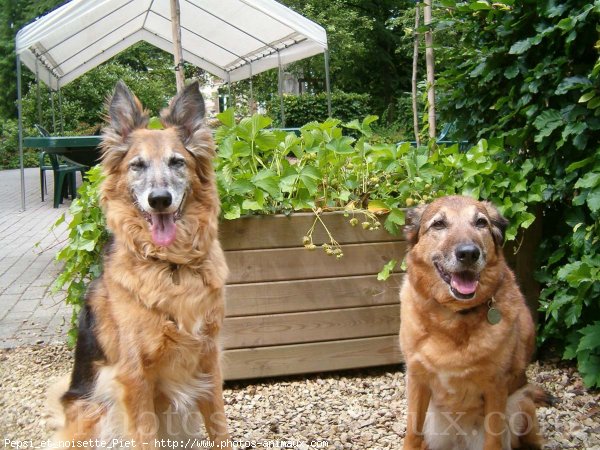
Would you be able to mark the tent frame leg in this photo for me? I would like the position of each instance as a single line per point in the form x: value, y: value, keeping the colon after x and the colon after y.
x: 327, y: 82
x: 280, y: 89
x: 20, y: 120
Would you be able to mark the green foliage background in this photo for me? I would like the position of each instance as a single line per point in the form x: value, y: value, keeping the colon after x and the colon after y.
x: 301, y: 109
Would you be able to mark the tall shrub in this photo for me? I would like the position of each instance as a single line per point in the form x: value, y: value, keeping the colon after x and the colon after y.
x: 528, y: 72
x: 301, y: 109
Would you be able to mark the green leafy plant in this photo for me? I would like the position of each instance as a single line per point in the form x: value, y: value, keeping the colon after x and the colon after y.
x: 81, y: 254
x: 265, y: 171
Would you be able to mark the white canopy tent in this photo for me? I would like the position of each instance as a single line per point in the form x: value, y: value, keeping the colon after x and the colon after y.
x: 232, y: 39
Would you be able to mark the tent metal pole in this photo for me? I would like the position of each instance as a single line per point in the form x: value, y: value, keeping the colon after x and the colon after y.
x: 37, y: 93
x: 52, y: 103
x: 280, y: 89
x: 20, y: 118
x: 327, y: 82
x: 60, y: 110
x: 228, y: 103
x: 252, y: 109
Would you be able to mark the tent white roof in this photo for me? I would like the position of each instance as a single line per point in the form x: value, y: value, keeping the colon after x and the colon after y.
x: 232, y: 39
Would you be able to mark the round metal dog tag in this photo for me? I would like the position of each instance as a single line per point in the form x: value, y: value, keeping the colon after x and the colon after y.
x: 494, y: 316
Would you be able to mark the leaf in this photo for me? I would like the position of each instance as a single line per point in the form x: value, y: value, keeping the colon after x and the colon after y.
x: 309, y: 176
x: 587, y: 97
x: 267, y: 180
x: 570, y: 83
x: 259, y: 122
x: 480, y: 5
x: 589, y: 180
x: 387, y: 269
x: 342, y: 145
x: 395, y: 219
x: 593, y: 200
x: 546, y: 123
x: 520, y: 47
x: 61, y: 219
x: 594, y: 103
x: 225, y: 149
x: 511, y: 72
x: 227, y: 117
x: 266, y: 140
x: 574, y: 273
x: 574, y: 128
x: 527, y: 219
x: 378, y: 207
x: 590, y: 339
x: 255, y: 204
x: 369, y: 120
x: 232, y: 213
x: 566, y: 24
x: 589, y: 366
x: 353, y: 125
x: 241, y: 187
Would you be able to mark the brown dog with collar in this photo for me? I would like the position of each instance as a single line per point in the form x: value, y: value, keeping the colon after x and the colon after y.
x: 466, y: 333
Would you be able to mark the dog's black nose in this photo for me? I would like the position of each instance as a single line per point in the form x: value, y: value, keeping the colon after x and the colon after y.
x: 467, y: 253
x: 160, y: 199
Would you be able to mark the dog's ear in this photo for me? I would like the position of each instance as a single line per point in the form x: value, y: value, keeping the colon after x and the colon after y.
x: 185, y: 112
x: 125, y: 112
x: 499, y: 223
x: 413, y: 223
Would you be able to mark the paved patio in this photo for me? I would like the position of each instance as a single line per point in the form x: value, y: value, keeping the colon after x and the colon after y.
x: 29, y: 313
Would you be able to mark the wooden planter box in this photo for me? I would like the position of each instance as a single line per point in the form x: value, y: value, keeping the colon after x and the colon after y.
x: 291, y: 311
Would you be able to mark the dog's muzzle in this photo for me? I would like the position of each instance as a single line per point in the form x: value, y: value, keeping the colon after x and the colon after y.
x: 162, y: 218
x: 462, y: 273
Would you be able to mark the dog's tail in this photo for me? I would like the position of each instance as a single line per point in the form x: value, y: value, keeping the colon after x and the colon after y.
x: 521, y: 411
x: 539, y: 396
x: 55, y: 414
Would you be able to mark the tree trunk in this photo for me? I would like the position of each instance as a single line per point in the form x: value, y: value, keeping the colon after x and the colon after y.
x: 430, y: 67
x: 414, y: 75
x: 177, y: 50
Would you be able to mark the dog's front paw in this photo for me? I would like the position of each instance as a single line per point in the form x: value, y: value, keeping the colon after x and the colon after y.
x: 414, y: 443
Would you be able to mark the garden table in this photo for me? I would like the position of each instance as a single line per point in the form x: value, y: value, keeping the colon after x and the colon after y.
x: 82, y: 150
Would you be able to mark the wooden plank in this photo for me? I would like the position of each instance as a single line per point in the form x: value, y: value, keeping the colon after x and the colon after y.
x: 250, y: 299
x: 310, y: 358
x: 252, y: 266
x: 280, y: 231
x: 314, y: 326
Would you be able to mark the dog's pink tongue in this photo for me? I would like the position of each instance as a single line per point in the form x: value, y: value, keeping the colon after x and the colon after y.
x: 464, y: 283
x: 163, y: 229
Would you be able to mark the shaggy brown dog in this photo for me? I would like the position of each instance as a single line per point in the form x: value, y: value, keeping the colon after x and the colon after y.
x: 147, y: 357
x: 466, y: 333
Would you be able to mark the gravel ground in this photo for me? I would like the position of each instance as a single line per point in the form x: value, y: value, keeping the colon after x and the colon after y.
x: 349, y: 410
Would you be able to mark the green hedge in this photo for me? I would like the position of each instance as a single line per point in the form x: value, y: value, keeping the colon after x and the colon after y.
x: 301, y: 109
x: 9, y: 147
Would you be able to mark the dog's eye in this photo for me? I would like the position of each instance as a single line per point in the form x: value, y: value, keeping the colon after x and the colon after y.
x: 481, y: 223
x: 137, y: 165
x: 438, y: 224
x: 176, y: 163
